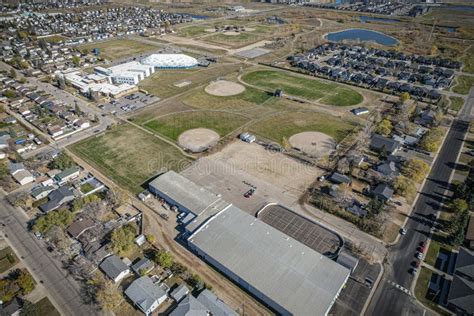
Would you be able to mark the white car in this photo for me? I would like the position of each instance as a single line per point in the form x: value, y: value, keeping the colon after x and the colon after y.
x: 403, y: 231
x: 419, y: 256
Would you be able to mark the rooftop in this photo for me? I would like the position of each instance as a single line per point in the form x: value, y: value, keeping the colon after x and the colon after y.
x: 292, y: 275
x: 144, y: 293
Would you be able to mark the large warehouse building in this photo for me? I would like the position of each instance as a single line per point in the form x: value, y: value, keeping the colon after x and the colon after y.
x: 170, y: 61
x: 288, y: 276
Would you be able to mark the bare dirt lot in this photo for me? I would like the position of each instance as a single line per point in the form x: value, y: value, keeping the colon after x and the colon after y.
x: 198, y: 139
x: 315, y: 144
x: 224, y: 88
x: 239, y: 166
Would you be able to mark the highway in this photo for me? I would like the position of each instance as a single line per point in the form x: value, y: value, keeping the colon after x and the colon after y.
x: 63, y: 290
x: 388, y: 299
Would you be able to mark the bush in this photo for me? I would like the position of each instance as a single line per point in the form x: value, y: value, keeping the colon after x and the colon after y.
x: 415, y: 169
x: 63, y: 161
x: 432, y: 139
x: 123, y: 239
x: 164, y: 259
x: 61, y: 218
x: 404, y: 187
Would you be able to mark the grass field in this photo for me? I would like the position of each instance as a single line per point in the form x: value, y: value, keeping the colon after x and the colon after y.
x: 250, y: 97
x: 324, y: 92
x: 456, y: 103
x: 162, y: 83
x: 468, y: 61
x: 173, y: 125
x: 7, y: 259
x: 129, y: 155
x: 44, y: 307
x: 284, y: 125
x: 120, y: 48
x: 464, y: 84
x: 193, y: 31
x: 234, y: 40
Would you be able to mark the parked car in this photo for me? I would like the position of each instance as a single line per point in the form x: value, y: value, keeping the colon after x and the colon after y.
x: 419, y: 256
x: 413, y: 271
x: 403, y: 231
x: 249, y: 193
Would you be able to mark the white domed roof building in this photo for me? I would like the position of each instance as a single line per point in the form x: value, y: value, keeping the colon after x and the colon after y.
x: 170, y: 61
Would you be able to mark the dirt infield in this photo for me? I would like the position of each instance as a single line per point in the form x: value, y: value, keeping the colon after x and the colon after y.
x: 198, y: 139
x: 314, y: 144
x: 224, y: 88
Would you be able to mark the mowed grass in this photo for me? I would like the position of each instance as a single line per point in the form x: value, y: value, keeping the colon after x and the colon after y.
x: 456, y: 103
x: 162, y: 83
x: 129, y: 156
x: 7, y: 259
x: 120, y: 48
x: 173, y: 125
x: 283, y: 125
x: 464, y: 84
x: 45, y: 307
x: 468, y: 61
x: 241, y: 39
x: 249, y: 98
x: 312, y: 89
x: 193, y: 31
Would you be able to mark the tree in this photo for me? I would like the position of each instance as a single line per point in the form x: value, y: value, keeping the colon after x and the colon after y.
x: 10, y: 94
x: 404, y: 187
x: 61, y: 218
x: 384, y: 127
x: 63, y: 161
x: 164, y: 259
x: 25, y: 281
x: 375, y: 206
x: 458, y: 206
x: 108, y: 295
x: 116, y: 197
x: 13, y: 73
x: 123, y: 238
x: 178, y: 268
x: 76, y: 61
x: 415, y: 169
x: 432, y: 139
x: 151, y: 238
x: 404, y: 97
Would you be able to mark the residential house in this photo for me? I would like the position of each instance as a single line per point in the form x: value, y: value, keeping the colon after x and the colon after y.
x: 79, y: 226
x: 180, y: 292
x: 426, y: 117
x: 338, y: 178
x: 145, y: 294
x: 20, y: 174
x: 144, y: 265
x: 383, y: 192
x: 41, y: 192
x: 388, y: 169
x: 461, y: 292
x: 381, y: 143
x: 215, y: 305
x: 190, y: 306
x: 67, y: 175
x: 57, y: 198
x: 114, y: 268
x: 12, y: 308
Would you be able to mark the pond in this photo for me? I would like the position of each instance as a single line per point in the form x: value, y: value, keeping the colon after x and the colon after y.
x: 363, y: 36
x: 365, y: 18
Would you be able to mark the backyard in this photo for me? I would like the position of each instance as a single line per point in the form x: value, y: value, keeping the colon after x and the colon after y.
x: 7, y: 259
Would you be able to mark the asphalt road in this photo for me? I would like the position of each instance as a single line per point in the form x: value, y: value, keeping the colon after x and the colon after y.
x: 388, y: 299
x: 62, y: 289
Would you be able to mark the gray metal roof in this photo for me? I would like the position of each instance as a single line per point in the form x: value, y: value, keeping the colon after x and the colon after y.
x: 185, y: 192
x: 144, y: 293
x: 180, y: 292
x: 215, y: 305
x: 292, y: 275
x: 143, y: 264
x: 190, y: 306
x: 113, y: 266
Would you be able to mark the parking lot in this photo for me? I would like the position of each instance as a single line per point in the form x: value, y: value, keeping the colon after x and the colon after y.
x: 352, y: 299
x: 305, y: 231
x: 129, y: 103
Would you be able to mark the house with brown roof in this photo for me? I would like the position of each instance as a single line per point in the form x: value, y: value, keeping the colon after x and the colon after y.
x: 79, y: 226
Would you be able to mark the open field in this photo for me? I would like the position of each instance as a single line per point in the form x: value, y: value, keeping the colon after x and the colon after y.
x: 468, y: 61
x: 203, y: 100
x: 45, y: 307
x: 312, y: 89
x: 163, y: 83
x: 464, y: 84
x: 456, y: 103
x: 115, y: 49
x: 194, y: 30
x: 238, y: 40
x: 281, y: 127
x: 129, y: 155
x: 173, y: 125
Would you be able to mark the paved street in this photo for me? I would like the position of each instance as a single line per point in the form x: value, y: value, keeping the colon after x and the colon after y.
x: 63, y: 290
x: 389, y: 300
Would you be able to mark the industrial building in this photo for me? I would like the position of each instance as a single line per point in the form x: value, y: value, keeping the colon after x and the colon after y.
x: 130, y: 73
x: 285, y: 274
x: 170, y: 61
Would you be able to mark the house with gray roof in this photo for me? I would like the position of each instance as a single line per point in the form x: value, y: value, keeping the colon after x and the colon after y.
x: 114, y: 268
x: 41, y: 192
x: 179, y: 292
x: 383, y: 192
x: 338, y: 178
x: 388, y: 169
x: 381, y: 143
x: 144, y: 265
x: 57, y: 198
x: 190, y: 306
x: 216, y: 306
x: 461, y: 292
x: 145, y: 295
